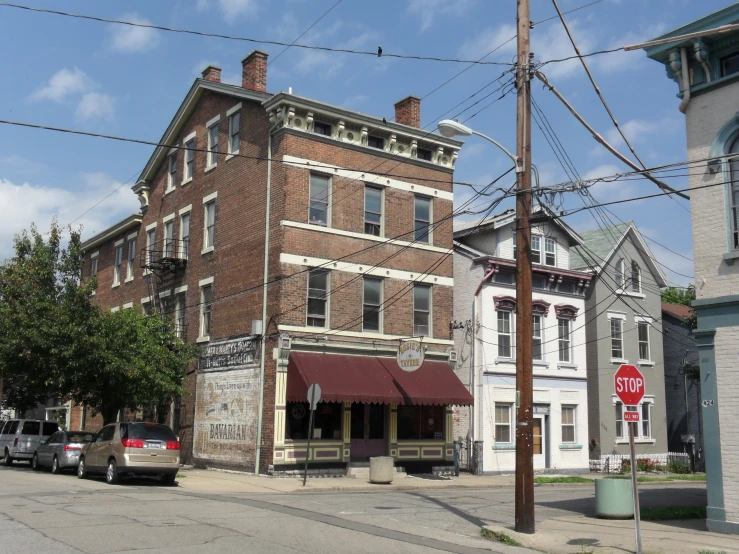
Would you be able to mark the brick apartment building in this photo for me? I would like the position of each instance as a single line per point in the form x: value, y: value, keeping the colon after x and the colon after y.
x: 334, y: 210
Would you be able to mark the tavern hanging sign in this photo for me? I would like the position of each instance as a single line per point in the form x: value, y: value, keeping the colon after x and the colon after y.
x: 410, y: 355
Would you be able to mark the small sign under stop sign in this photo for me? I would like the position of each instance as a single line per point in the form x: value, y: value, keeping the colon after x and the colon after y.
x: 629, y: 384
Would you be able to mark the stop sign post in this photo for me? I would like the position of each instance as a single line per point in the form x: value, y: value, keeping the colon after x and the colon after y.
x: 629, y: 385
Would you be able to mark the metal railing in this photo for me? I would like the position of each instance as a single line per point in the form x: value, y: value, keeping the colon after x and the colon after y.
x: 170, y: 254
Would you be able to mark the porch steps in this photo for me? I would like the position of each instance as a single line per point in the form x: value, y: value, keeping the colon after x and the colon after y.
x: 361, y: 470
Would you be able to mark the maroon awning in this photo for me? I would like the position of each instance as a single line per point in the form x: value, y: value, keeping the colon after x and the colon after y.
x: 371, y: 379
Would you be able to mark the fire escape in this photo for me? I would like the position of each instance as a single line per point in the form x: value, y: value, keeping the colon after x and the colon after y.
x: 164, y: 263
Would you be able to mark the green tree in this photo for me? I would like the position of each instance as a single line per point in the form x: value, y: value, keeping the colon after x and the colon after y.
x: 674, y: 295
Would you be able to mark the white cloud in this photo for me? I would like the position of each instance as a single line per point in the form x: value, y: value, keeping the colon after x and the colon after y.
x: 428, y: 10
x: 95, y: 105
x: 229, y: 8
x: 637, y: 131
x: 21, y: 164
x: 64, y: 83
x: 621, y: 60
x: 126, y: 38
x: 32, y: 203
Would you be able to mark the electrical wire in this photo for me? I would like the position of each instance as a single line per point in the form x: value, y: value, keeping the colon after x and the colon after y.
x: 316, y: 22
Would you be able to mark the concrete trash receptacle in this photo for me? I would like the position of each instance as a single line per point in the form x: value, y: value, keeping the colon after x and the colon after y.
x: 613, y: 498
x: 382, y: 469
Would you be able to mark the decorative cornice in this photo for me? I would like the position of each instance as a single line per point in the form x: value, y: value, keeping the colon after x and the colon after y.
x: 540, y: 307
x: 566, y: 311
x: 504, y: 303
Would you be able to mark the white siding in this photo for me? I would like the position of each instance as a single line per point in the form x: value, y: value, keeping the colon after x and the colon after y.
x: 505, y: 243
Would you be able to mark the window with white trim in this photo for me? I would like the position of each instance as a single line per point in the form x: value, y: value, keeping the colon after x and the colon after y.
x: 421, y: 311
x: 535, y: 249
x: 317, y: 305
x: 169, y: 239
x: 504, y: 334
x: 209, y: 227
x: 189, y: 159
x: 185, y: 235
x: 180, y: 315
x: 620, y: 273
x: 503, y: 432
x: 212, y: 145
x: 514, y: 234
x: 422, y: 219
x: 619, y: 420
x: 146, y: 307
x: 320, y: 187
x: 117, y: 265
x: 550, y: 251
x: 234, y: 130
x: 151, y: 237
x: 617, y: 338
x: 371, y: 304
x: 643, y: 428
x: 635, y: 277
x: 206, y: 309
x: 372, y: 210
x: 130, y: 268
x: 171, y: 171
x: 643, y: 335
x: 94, y: 266
x: 568, y: 424
x: 646, y: 420
x: 564, y: 327
x: 537, y: 341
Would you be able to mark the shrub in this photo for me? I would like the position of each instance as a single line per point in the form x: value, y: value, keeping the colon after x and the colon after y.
x: 678, y: 466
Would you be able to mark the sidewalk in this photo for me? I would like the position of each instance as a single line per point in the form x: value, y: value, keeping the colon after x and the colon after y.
x: 582, y: 534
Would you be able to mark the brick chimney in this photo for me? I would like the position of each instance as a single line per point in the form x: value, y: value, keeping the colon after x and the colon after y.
x: 254, y: 74
x: 212, y: 73
x: 408, y: 111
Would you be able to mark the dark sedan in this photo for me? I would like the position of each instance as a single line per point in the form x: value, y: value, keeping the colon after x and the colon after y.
x: 61, y: 450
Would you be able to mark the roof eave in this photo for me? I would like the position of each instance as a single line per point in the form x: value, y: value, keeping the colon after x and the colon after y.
x: 117, y: 228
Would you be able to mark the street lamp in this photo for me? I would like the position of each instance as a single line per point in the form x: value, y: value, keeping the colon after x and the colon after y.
x: 450, y: 128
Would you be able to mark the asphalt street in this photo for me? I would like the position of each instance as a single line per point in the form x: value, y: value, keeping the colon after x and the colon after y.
x: 40, y: 513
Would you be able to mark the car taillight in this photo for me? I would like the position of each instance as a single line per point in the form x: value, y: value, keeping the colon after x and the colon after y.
x: 133, y: 443
x: 173, y: 445
x: 68, y: 447
x: 15, y: 442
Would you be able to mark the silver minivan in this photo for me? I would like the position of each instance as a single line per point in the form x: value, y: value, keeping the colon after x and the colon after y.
x: 19, y: 438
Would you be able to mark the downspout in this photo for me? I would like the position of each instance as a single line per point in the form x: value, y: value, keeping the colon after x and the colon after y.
x: 685, y: 80
x: 473, y: 372
x: 264, y: 297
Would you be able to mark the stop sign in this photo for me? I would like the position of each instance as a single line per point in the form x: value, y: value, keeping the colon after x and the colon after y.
x: 629, y: 384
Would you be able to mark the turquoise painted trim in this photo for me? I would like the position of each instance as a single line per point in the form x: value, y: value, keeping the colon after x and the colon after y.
x: 721, y: 141
x: 713, y: 313
x: 711, y: 430
x: 504, y: 447
x: 566, y: 446
x: 718, y: 82
x: 719, y: 150
x: 722, y: 526
x: 716, y: 300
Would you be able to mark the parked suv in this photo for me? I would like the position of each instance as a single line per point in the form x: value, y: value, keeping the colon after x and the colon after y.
x: 132, y: 449
x: 19, y: 438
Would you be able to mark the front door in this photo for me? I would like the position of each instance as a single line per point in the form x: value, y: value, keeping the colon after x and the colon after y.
x: 539, y: 443
x: 368, y: 431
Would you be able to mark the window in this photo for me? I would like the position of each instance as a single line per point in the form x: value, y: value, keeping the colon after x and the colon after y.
x: 168, y: 239
x: 646, y: 423
x: 617, y: 343
x: 234, y: 128
x: 210, y: 226
x: 150, y: 244
x: 180, y: 315
x: 537, y: 340
x: 420, y: 422
x: 146, y: 307
x: 172, y: 171
x: 322, y: 128
x: 319, y: 195
x: 185, y: 235
x: 131, y: 259
x: 565, y: 343
x: 550, y: 251
x: 94, y: 266
x: 643, y: 431
x: 503, y: 423
x: 326, y: 420
x: 206, y: 307
x: 568, y: 424
x: 535, y: 249
x: 734, y: 191
x: 504, y: 334
x: 372, y: 211
x: 538, y: 282
x: 619, y: 420
x: 421, y: 311
x: 513, y: 234
x: 375, y: 142
x: 635, y: 277
x: 212, y: 145
x: 643, y: 331
x: 730, y: 65
x: 371, y: 304
x: 31, y: 428
x: 317, y: 298
x: 117, y: 266
x: 423, y: 154
x: 620, y: 273
x: 422, y: 219
x: 189, y: 159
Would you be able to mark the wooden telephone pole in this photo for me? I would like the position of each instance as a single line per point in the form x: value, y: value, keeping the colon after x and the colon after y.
x: 524, y: 317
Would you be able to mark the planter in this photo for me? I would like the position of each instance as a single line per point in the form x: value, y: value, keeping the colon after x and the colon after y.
x: 382, y: 469
x: 613, y: 499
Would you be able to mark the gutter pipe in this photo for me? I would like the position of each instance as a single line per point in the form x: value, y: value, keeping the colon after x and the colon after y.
x: 685, y: 81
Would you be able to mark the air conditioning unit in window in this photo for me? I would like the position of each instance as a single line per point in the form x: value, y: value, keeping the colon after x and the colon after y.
x: 284, y: 344
x: 452, y: 354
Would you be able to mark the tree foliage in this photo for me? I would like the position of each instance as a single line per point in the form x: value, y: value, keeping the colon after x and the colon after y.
x: 56, y: 342
x: 685, y: 297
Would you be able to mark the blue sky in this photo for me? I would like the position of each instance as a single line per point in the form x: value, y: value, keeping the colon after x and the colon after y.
x: 129, y: 81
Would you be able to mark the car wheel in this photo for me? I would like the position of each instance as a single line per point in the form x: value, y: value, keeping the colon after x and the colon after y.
x: 111, y: 476
x: 169, y: 479
x: 34, y: 462
x: 81, y: 471
x: 55, y: 465
x: 8, y: 459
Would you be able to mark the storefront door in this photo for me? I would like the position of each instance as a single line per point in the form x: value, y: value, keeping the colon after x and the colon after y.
x: 368, y: 431
x: 539, y: 443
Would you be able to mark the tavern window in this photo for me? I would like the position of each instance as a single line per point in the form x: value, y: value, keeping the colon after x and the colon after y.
x: 420, y: 422
x: 317, y: 298
x: 320, y: 187
x: 421, y: 311
x: 371, y: 306
x: 422, y: 219
x: 373, y: 211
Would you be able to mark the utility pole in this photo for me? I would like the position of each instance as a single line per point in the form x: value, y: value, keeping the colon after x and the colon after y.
x: 524, y: 317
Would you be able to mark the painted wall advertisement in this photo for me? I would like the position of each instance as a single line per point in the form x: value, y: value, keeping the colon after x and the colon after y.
x: 227, y: 402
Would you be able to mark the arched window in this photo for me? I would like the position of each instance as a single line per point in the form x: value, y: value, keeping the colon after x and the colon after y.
x: 620, y: 272
x: 635, y: 277
x: 734, y: 195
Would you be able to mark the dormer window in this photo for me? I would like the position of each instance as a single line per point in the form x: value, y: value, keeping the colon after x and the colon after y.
x: 322, y: 128
x: 423, y: 154
x: 730, y: 65
x: 375, y: 142
x: 550, y: 252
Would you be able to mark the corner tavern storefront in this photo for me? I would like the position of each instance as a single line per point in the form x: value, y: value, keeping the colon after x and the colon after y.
x: 370, y: 407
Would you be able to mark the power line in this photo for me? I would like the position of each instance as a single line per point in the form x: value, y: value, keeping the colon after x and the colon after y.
x: 568, y: 11
x: 378, y: 53
x: 316, y: 22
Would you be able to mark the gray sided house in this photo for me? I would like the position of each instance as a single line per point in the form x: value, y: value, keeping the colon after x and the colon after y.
x: 623, y: 325
x: 682, y: 384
